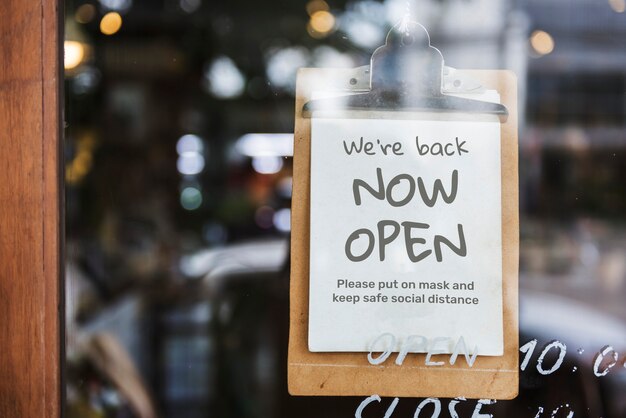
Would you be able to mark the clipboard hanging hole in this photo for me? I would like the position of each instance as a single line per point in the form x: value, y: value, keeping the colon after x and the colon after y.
x: 407, y: 39
x: 353, y: 81
x: 407, y: 63
x: 457, y: 83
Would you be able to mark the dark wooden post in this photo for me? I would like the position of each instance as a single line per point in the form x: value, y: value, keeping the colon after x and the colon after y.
x: 31, y: 225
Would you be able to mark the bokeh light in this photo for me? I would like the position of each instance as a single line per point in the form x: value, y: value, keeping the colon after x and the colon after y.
x: 116, y: 5
x: 189, y: 143
x: 190, y: 163
x: 267, y: 165
x: 223, y: 78
x: 85, y: 13
x: 190, y: 198
x: 282, y: 220
x: 74, y: 53
x: 283, y: 64
x: 111, y: 23
x: 77, y: 168
x: 265, y: 145
x: 316, y: 6
x: 321, y: 23
x: 542, y: 42
x: 86, y: 80
x: 329, y: 57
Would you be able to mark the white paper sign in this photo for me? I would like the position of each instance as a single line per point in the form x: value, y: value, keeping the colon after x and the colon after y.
x: 405, y: 233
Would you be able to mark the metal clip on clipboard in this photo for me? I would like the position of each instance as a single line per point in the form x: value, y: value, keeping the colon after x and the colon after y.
x: 406, y: 74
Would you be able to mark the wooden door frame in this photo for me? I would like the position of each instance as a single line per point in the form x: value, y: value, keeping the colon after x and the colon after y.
x: 31, y: 209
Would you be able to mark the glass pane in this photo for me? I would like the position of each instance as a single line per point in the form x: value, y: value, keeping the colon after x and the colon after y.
x: 178, y: 170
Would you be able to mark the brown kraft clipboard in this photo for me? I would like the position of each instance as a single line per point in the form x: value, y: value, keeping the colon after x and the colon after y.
x: 350, y: 374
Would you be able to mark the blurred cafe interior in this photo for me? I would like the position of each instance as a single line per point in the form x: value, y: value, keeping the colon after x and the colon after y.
x: 179, y: 119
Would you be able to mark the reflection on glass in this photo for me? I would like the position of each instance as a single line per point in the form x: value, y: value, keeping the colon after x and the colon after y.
x: 178, y: 172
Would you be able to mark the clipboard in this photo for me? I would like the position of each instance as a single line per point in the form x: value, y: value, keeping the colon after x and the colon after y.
x: 348, y: 373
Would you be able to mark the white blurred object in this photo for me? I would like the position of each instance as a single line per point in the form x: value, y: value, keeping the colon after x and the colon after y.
x: 283, y: 64
x: 265, y: 145
x: 189, y: 143
x: 116, y: 5
x: 254, y: 257
x: 224, y: 80
x: 190, y: 163
x: 267, y: 165
x: 282, y: 220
